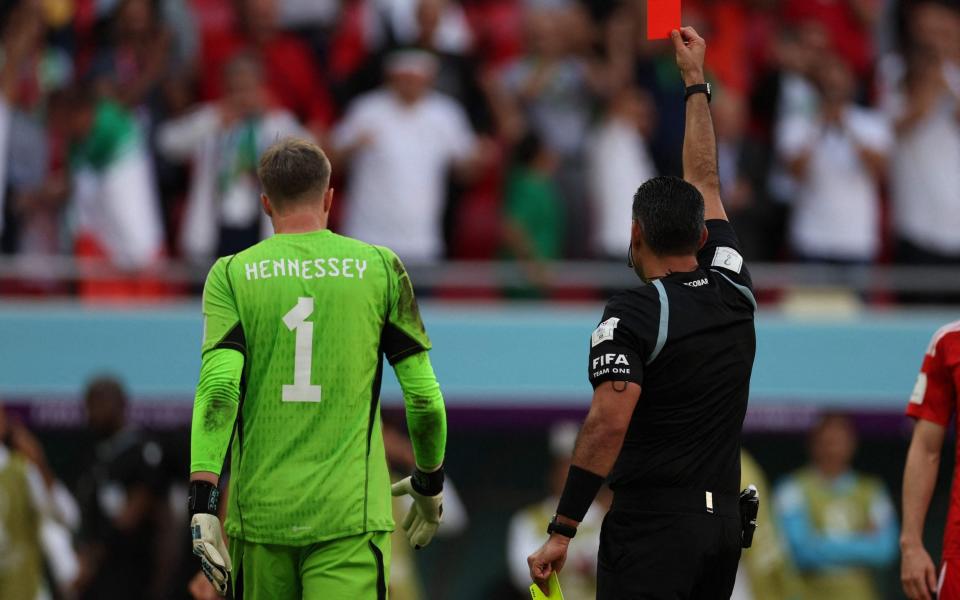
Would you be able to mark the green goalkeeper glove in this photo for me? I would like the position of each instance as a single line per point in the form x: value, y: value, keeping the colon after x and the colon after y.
x: 207, y: 533
x: 422, y: 521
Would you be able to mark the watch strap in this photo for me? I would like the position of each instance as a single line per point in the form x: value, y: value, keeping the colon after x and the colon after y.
x: 698, y: 88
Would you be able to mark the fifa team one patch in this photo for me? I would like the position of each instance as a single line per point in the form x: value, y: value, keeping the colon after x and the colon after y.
x: 727, y: 258
x: 604, y: 332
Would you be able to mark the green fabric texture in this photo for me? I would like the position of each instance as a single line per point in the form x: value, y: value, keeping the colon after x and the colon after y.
x: 851, y: 583
x: 426, y: 417
x: 342, y: 569
x: 308, y: 313
x: 113, y: 132
x: 242, y: 155
x: 215, y: 408
x: 533, y: 204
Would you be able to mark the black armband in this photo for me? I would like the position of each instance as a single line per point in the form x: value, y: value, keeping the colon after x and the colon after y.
x: 203, y: 498
x: 427, y: 484
x: 578, y: 493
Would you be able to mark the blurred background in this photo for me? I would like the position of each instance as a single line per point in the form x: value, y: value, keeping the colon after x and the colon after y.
x: 495, y: 145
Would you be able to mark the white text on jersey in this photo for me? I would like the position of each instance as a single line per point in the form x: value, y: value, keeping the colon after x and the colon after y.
x: 606, y: 359
x: 308, y: 268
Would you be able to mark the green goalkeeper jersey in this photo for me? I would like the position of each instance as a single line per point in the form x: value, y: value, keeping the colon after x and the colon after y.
x: 313, y: 314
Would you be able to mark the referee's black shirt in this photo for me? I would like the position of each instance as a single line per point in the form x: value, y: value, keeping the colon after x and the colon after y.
x: 688, y: 340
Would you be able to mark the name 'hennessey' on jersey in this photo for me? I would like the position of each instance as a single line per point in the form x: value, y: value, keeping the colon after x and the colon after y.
x: 305, y: 268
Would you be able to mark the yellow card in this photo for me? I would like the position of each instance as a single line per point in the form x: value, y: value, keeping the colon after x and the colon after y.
x: 555, y: 593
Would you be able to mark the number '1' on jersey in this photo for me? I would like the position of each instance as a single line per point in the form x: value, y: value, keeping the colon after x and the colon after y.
x: 313, y: 314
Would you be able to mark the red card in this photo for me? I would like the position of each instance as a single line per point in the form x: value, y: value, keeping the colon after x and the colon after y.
x: 663, y: 16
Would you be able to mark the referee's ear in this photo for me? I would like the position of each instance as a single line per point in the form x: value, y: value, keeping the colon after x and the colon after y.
x: 703, y: 237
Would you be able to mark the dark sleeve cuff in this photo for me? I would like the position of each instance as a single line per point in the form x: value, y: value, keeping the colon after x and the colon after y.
x: 427, y: 484
x: 578, y: 493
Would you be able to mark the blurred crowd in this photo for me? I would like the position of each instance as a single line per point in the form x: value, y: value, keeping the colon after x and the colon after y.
x: 474, y: 129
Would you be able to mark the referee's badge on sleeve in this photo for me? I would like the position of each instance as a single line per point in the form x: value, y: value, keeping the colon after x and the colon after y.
x: 727, y: 258
x: 604, y: 332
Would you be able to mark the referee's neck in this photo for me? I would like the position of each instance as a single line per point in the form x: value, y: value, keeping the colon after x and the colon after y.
x: 661, y: 266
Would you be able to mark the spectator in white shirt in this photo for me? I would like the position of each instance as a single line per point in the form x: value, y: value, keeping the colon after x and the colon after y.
x: 619, y: 162
x: 838, y: 157
x: 223, y: 141
x: 925, y: 166
x: 401, y: 141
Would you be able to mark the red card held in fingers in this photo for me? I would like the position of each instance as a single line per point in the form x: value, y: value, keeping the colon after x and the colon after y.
x: 663, y: 16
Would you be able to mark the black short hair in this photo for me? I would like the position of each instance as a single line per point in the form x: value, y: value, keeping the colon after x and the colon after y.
x: 670, y: 212
x: 106, y: 387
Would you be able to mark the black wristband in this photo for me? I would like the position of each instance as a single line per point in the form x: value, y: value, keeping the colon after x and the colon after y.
x: 578, y: 493
x: 203, y: 498
x: 568, y: 531
x: 427, y: 484
x: 698, y: 88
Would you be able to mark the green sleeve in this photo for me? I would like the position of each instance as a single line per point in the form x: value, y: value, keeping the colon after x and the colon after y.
x: 221, y: 319
x: 404, y: 341
x: 403, y: 332
x: 426, y: 415
x: 218, y: 391
x: 215, y: 409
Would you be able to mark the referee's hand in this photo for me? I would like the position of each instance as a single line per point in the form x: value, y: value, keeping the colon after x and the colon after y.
x: 549, y: 558
x: 690, y: 49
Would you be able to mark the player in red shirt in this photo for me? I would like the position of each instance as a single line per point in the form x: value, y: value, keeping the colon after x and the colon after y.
x: 933, y: 404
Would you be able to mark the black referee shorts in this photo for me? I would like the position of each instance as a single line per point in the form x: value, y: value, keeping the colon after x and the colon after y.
x: 658, y: 549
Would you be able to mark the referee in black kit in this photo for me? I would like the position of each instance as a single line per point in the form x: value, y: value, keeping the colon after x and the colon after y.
x: 670, y: 364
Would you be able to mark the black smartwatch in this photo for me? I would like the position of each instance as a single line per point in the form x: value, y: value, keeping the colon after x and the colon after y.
x: 564, y: 530
x: 698, y: 88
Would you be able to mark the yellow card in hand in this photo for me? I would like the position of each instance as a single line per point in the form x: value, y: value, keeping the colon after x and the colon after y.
x: 553, y: 583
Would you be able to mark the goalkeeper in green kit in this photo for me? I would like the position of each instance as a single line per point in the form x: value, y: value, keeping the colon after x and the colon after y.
x: 295, y: 332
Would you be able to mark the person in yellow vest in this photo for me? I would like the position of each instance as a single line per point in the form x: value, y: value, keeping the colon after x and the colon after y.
x: 766, y: 572
x: 30, y: 495
x: 526, y: 529
x: 839, y: 524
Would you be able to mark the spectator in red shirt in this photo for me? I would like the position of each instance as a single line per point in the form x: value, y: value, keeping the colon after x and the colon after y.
x: 850, y: 24
x: 293, y: 76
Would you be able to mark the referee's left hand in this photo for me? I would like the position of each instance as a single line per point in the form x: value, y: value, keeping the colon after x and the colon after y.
x: 549, y: 558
